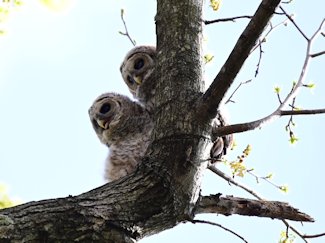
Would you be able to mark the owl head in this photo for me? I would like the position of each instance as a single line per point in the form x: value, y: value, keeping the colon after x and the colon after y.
x: 115, y: 117
x: 137, y: 67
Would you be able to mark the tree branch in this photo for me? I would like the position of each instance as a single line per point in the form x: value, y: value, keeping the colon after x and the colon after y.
x: 206, y: 22
x: 317, y: 54
x: 294, y: 23
x: 248, y: 126
x: 126, y: 33
x: 249, y: 207
x: 221, y: 131
x: 194, y: 221
x: 232, y: 181
x: 207, y: 105
x: 233, y: 93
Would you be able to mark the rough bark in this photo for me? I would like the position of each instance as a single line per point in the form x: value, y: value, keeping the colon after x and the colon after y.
x: 230, y: 205
x: 165, y: 188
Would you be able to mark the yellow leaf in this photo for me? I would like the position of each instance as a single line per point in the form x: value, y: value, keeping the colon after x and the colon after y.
x: 269, y: 176
x: 215, y: 4
x: 208, y: 58
x: 247, y: 150
x: 284, y: 188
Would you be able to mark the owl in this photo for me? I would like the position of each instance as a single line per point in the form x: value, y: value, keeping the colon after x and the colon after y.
x: 137, y: 71
x: 125, y: 128
x: 221, y: 145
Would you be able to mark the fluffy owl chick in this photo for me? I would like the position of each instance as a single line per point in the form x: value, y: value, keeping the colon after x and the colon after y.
x: 221, y: 145
x: 137, y: 70
x: 125, y: 127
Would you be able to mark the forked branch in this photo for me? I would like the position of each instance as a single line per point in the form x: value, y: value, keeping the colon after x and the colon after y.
x: 242, y: 127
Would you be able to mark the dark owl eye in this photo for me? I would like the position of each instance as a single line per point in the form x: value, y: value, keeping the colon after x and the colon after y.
x: 105, y: 108
x: 130, y: 80
x: 138, y: 63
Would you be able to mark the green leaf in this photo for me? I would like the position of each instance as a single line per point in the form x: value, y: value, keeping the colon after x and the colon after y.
x: 293, y: 139
x: 310, y: 85
x: 277, y: 89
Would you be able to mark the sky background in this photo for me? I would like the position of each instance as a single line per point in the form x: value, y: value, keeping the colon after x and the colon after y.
x: 53, y: 64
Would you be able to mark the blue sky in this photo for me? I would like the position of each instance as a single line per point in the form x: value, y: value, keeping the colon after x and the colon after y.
x: 54, y: 64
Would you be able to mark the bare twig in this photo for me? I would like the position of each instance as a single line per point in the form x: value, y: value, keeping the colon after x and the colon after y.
x: 294, y: 23
x: 230, y: 97
x: 279, y: 98
x: 272, y: 28
x: 126, y: 33
x: 313, y: 236
x: 232, y: 19
x: 317, y: 54
x: 194, y: 221
x: 259, y: 58
x: 287, y: 2
x: 294, y: 230
x: 232, y: 181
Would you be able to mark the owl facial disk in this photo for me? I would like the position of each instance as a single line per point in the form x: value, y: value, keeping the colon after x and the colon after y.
x: 104, y: 115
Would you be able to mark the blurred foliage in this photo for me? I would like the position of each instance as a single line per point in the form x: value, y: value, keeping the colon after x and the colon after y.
x: 7, y: 7
x: 5, y: 200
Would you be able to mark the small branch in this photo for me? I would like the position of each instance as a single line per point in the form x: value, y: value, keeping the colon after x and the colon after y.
x: 206, y: 22
x: 272, y: 28
x: 194, y: 221
x: 207, y: 104
x: 230, y: 205
x: 259, y: 58
x: 313, y: 236
x: 317, y: 54
x: 243, y: 127
x: 294, y: 230
x: 302, y: 112
x: 232, y: 181
x: 294, y: 23
x: 230, y: 97
x: 126, y: 33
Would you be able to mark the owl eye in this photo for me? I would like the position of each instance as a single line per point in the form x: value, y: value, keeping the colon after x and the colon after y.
x: 139, y: 63
x: 130, y: 80
x: 105, y: 108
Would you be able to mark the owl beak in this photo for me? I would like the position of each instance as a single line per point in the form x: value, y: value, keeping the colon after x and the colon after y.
x: 137, y: 79
x: 103, y: 124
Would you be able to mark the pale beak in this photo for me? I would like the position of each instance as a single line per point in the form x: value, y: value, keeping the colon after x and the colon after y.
x: 137, y: 79
x: 102, y: 124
